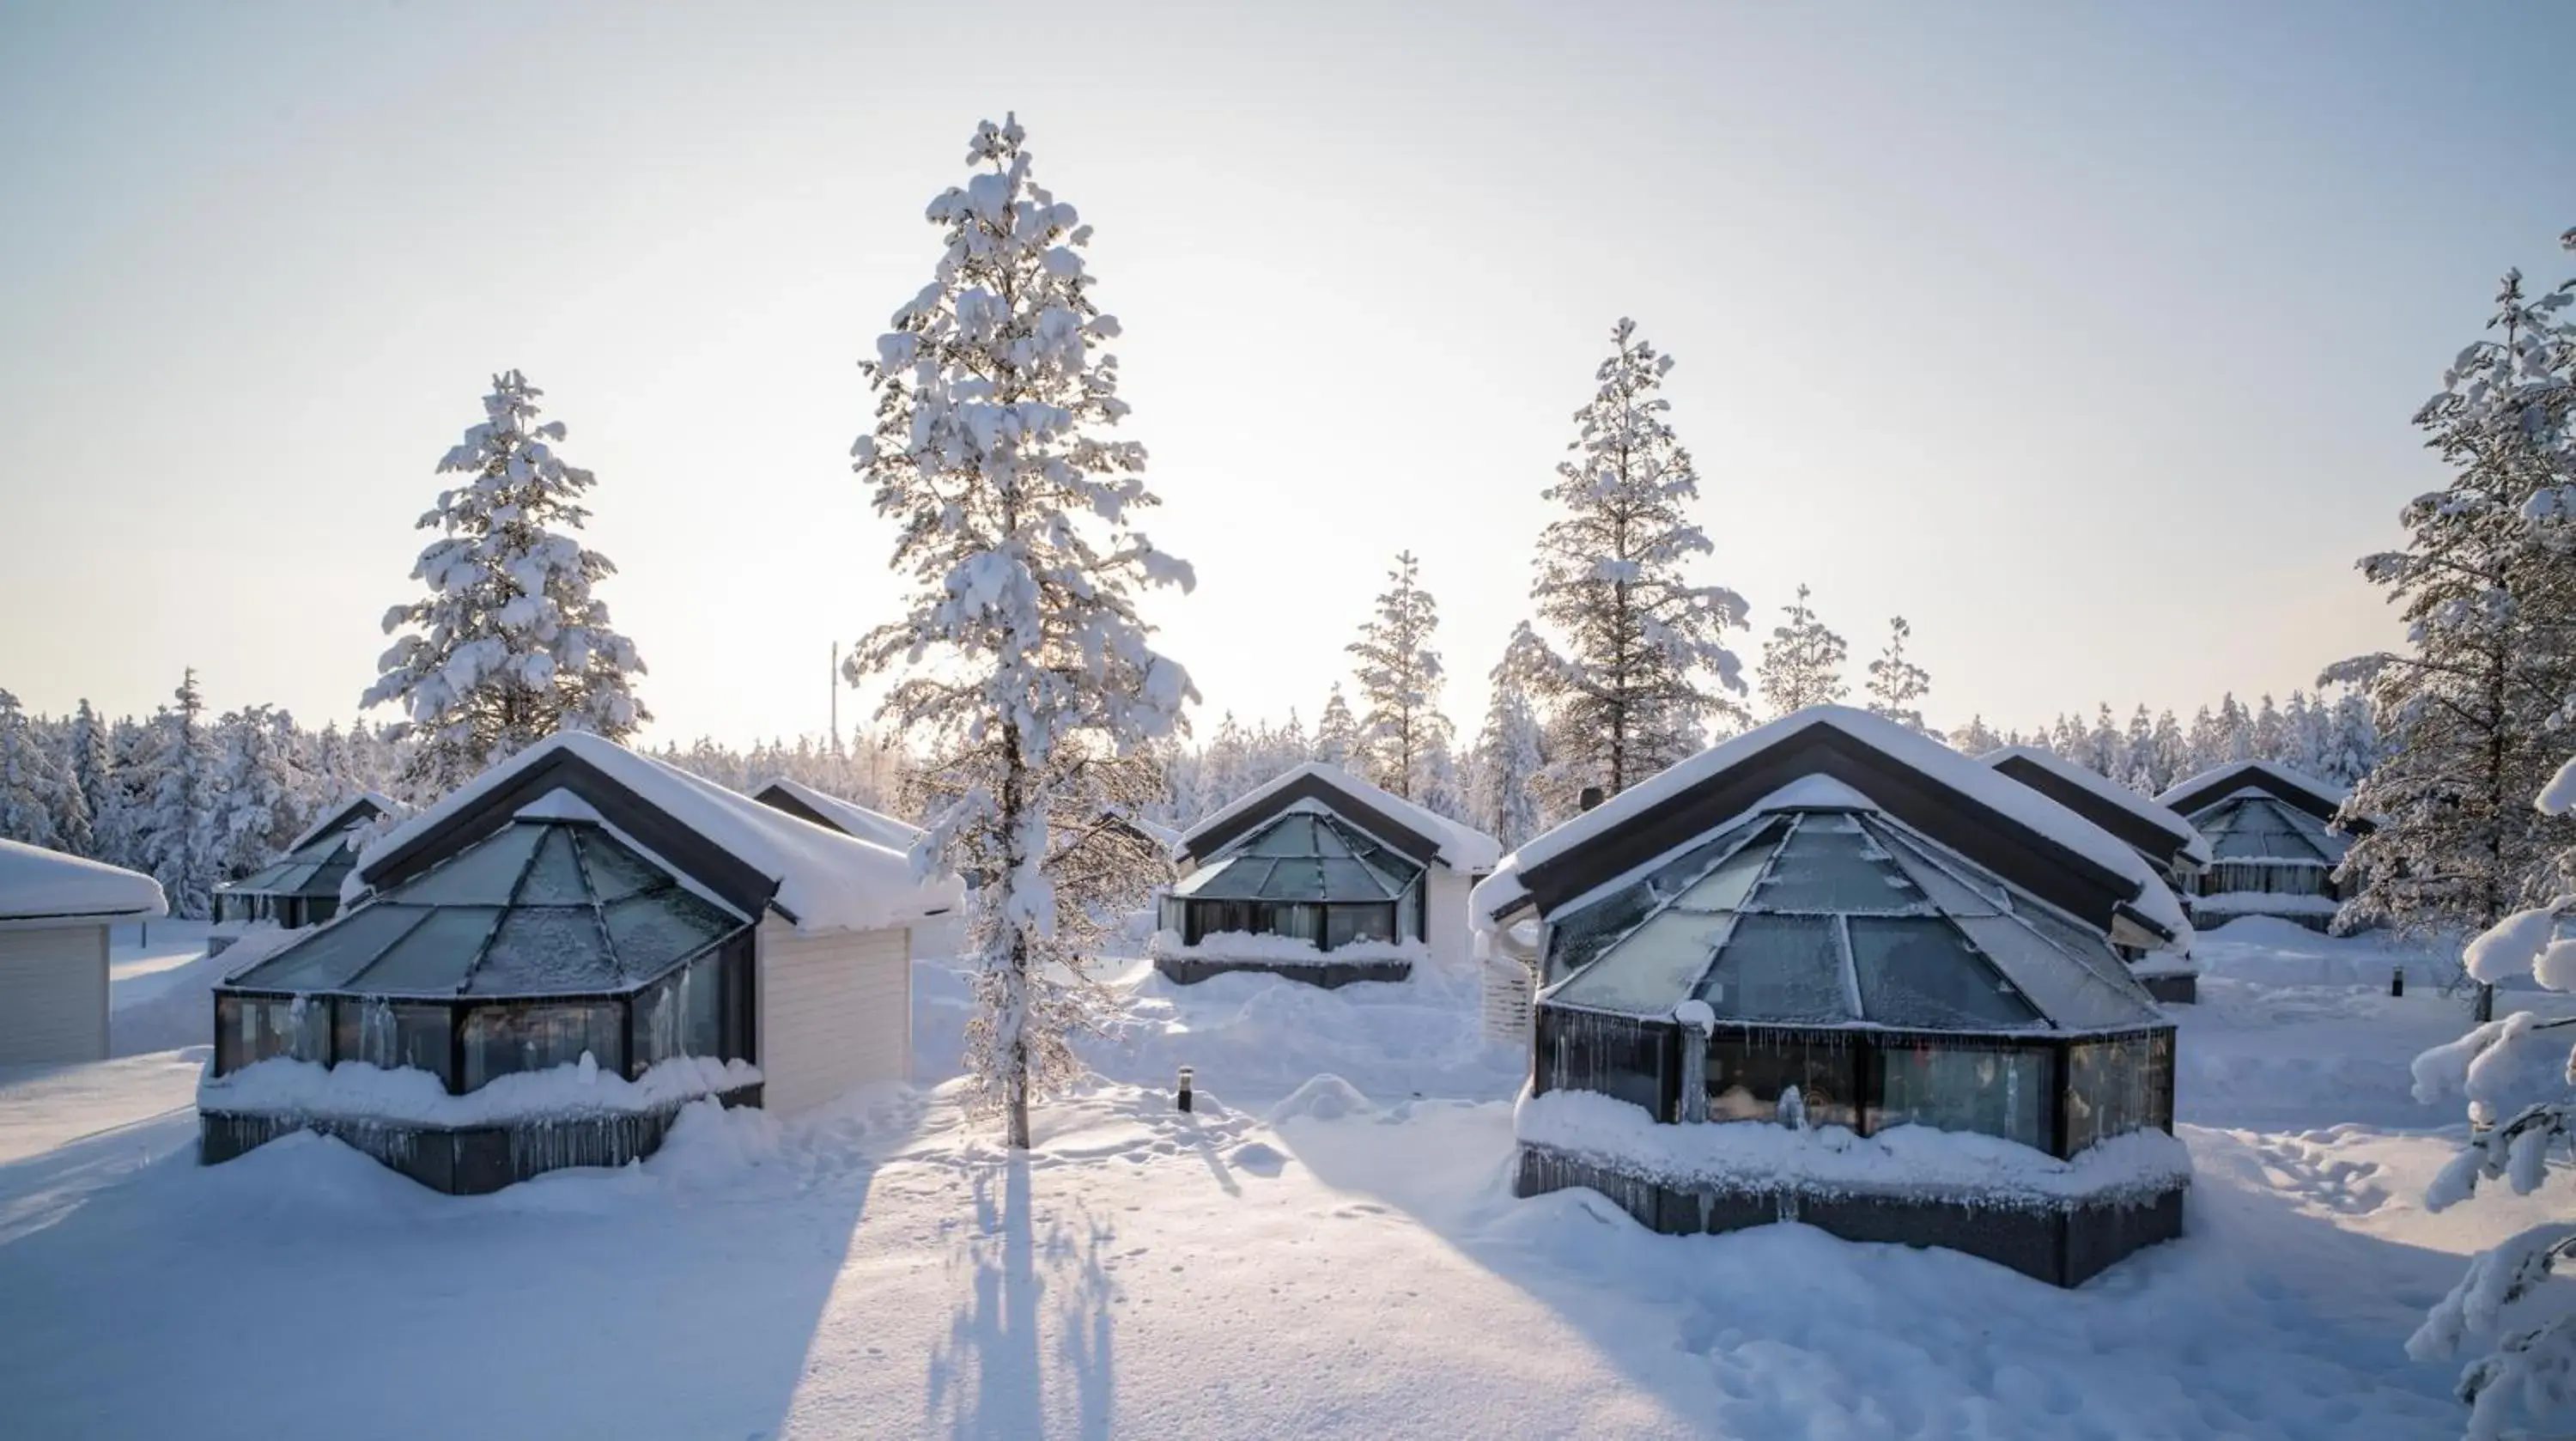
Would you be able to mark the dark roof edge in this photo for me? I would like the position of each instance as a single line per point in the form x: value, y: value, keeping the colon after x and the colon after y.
x: 651, y: 828
x: 2162, y: 845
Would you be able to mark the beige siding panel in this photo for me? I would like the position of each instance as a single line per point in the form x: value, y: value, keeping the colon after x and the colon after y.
x: 53, y: 995
x: 1444, y: 928
x: 835, y: 1013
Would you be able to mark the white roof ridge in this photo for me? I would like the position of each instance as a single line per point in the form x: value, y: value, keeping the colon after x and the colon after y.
x: 2323, y: 790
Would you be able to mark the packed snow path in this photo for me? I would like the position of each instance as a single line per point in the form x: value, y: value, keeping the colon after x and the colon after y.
x: 1306, y: 1255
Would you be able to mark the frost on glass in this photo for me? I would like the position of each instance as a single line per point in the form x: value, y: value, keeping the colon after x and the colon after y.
x: 505, y: 1039
x: 2087, y: 948
x: 1580, y: 1051
x: 554, y: 878
x: 1918, y: 972
x: 2269, y: 830
x: 330, y: 956
x: 615, y: 871
x: 435, y: 958
x: 484, y: 874
x: 1654, y: 968
x: 2064, y: 988
x: 1995, y: 1091
x: 1727, y: 887
x: 548, y: 948
x: 1833, y: 867
x: 2114, y: 1087
x: 652, y: 932
x: 1781, y: 969
x: 1947, y: 888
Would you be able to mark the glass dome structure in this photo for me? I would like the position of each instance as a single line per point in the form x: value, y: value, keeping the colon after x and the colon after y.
x: 1308, y: 875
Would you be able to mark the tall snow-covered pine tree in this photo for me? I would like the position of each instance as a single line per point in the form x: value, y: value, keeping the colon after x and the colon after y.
x: 1802, y: 662
x: 1399, y: 675
x: 1015, y: 524
x: 1896, y: 684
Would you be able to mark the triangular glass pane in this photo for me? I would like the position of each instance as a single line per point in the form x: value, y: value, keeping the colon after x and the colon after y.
x: 483, y: 874
x: 615, y: 871
x: 549, y: 949
x: 555, y: 878
x: 1786, y: 969
x: 1653, y: 968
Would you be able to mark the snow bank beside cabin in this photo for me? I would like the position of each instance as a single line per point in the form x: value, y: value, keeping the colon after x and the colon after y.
x: 358, y: 1091
x: 1284, y: 950
x: 1908, y: 1161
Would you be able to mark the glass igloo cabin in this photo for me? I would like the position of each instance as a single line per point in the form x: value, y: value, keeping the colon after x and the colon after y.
x: 1832, y: 971
x: 546, y: 967
x: 1322, y: 877
x: 2276, y: 837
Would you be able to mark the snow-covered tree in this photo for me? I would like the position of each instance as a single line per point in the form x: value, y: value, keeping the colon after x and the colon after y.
x: 1504, y: 799
x: 1976, y: 737
x: 1399, y: 676
x: 1802, y: 662
x: 1896, y: 684
x: 36, y: 792
x: 85, y: 741
x: 262, y: 798
x: 177, y: 839
x: 510, y: 645
x: 2350, y: 750
x: 1639, y: 665
x: 2472, y: 710
x: 1225, y: 768
x: 1437, y: 785
x: 1015, y: 522
x: 1337, y: 732
x: 2527, y: 1363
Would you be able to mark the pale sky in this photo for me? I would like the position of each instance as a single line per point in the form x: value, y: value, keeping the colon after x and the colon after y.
x: 2083, y: 336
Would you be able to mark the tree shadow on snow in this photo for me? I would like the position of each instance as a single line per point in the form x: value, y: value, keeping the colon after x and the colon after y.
x: 988, y: 1380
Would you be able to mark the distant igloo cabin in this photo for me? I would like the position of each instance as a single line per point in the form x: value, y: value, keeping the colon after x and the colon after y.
x: 301, y: 887
x: 2162, y: 838
x: 1832, y: 971
x: 1321, y: 877
x: 2276, y: 837
x: 543, y: 969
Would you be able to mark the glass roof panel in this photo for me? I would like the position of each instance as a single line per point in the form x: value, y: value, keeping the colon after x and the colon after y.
x: 2088, y: 946
x: 1219, y: 880
x: 1779, y: 969
x: 1359, y: 881
x: 1329, y: 842
x: 2063, y: 985
x: 1918, y: 972
x: 1299, y: 878
x: 328, y: 957
x: 264, y: 879
x: 1654, y: 968
x: 1829, y: 864
x: 434, y: 959
x: 555, y: 878
x: 615, y: 871
x: 483, y: 874
x: 652, y: 933
x: 548, y: 949
x: 1961, y: 891
x: 1725, y: 888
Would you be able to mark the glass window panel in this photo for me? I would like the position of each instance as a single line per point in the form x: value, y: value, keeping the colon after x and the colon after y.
x: 505, y: 1040
x: 2064, y: 988
x: 1726, y: 887
x: 651, y: 932
x: 554, y: 879
x: 1781, y: 969
x: 550, y: 948
x: 483, y: 874
x: 330, y: 956
x: 615, y: 871
x: 2111, y: 1089
x: 1655, y: 968
x: 1954, y: 891
x: 703, y: 989
x: 1613, y: 1055
x: 1915, y: 971
x: 392, y: 1033
x: 1996, y: 1091
x: 1748, y: 1071
x: 1345, y: 924
x: 1829, y: 868
x: 435, y: 958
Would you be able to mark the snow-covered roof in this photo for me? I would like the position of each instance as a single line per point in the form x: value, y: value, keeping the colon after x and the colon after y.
x: 346, y: 814
x: 849, y: 817
x: 824, y: 879
x: 2194, y: 846
x: 38, y: 885
x: 1934, y: 762
x: 2204, y: 789
x: 1460, y: 847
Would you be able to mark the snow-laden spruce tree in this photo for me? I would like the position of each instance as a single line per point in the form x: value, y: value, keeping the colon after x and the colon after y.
x: 1508, y: 760
x: 1337, y: 732
x: 177, y: 840
x: 1399, y: 677
x: 262, y: 797
x: 2473, y: 709
x: 2522, y: 1362
x: 1976, y: 737
x: 36, y: 792
x: 1026, y: 669
x: 510, y: 645
x: 1637, y: 667
x: 1802, y: 662
x: 1897, y: 685
x: 92, y: 774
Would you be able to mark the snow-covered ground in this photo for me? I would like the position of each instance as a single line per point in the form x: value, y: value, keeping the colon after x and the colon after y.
x: 1327, y: 1247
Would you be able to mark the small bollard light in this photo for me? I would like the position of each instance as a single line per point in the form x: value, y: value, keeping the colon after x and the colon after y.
x: 2397, y: 980
x: 1184, y: 1097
